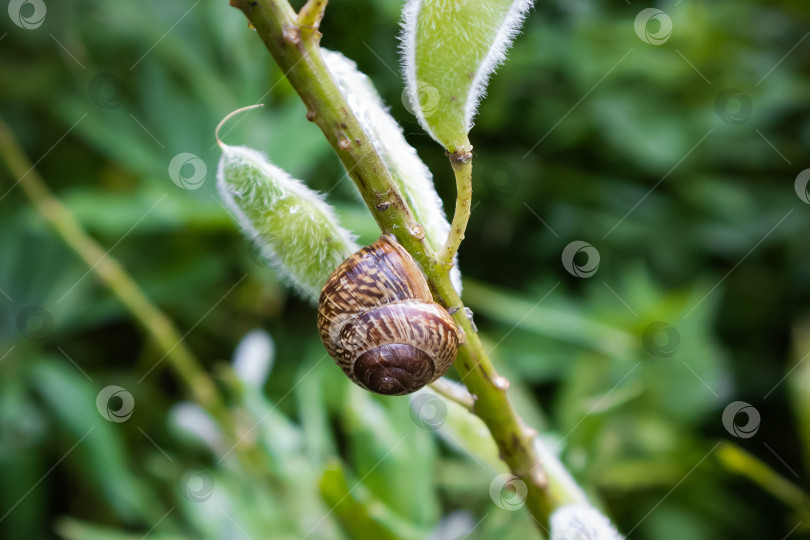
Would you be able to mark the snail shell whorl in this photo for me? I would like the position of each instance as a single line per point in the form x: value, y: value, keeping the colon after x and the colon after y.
x: 378, y: 320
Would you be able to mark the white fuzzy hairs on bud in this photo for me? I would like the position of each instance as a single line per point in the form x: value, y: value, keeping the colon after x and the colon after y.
x: 407, y: 47
x: 453, y: 47
x: 297, y: 232
x: 581, y: 522
x: 408, y: 171
x: 306, y: 247
x: 508, y: 31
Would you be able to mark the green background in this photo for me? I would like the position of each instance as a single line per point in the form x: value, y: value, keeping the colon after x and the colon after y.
x: 579, y: 126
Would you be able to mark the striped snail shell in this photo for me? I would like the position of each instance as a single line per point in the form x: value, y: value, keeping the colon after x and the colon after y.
x: 378, y: 320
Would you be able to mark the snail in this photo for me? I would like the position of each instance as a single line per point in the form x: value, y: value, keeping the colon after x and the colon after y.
x: 378, y: 321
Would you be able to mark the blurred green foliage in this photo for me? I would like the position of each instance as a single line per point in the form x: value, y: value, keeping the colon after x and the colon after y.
x: 634, y: 148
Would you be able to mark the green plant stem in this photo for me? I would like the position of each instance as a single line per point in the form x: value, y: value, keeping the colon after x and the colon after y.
x: 493, y: 406
x: 461, y: 161
x: 739, y: 461
x: 154, y: 322
x: 295, y: 50
x: 311, y: 14
x: 298, y: 56
x: 454, y: 392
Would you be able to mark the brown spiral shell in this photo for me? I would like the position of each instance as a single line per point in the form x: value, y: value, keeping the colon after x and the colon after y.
x: 378, y: 320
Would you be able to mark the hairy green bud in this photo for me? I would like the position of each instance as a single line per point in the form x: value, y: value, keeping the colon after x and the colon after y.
x: 292, y: 225
x: 449, y: 50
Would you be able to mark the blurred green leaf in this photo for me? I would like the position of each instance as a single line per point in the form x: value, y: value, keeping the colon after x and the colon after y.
x: 360, y: 515
x: 394, y: 457
x: 72, y: 402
